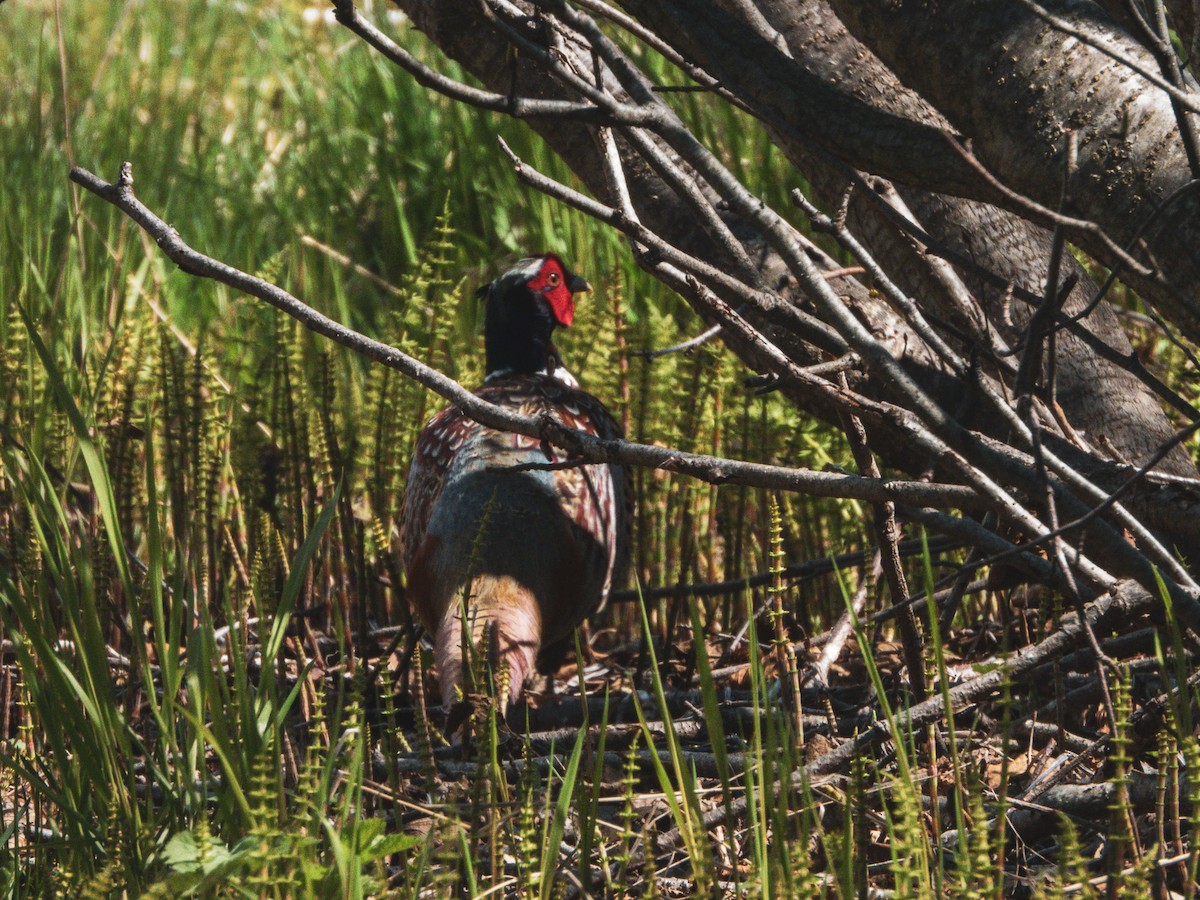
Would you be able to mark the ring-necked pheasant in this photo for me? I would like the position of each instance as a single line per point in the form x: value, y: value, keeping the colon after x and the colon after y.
x: 528, y: 553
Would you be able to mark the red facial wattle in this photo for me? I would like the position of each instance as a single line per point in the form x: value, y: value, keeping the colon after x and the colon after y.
x: 563, y: 305
x: 554, y: 283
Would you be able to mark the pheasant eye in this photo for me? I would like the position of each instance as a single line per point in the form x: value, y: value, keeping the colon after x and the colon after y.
x: 554, y: 279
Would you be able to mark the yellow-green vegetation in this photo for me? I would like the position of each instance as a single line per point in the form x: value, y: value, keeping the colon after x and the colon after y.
x: 208, y: 678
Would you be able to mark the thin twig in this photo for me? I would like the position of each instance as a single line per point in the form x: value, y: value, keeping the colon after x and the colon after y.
x: 1034, y: 210
x: 682, y: 347
x: 883, y: 522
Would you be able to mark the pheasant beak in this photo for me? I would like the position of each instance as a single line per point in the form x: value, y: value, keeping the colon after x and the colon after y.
x: 577, y: 284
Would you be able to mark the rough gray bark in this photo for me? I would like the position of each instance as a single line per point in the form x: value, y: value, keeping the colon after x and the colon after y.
x: 1100, y: 398
x: 1016, y: 84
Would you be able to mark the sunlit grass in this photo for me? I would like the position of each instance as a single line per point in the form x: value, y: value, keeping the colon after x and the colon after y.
x: 198, y: 503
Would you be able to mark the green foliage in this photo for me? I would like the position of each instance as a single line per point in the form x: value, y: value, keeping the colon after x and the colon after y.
x: 198, y: 502
x: 184, y: 471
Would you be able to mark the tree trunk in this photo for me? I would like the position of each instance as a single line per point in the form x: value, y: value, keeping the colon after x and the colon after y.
x: 1099, y: 397
x: 1016, y: 85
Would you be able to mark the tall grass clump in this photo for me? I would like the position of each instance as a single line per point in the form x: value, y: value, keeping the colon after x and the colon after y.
x: 210, y: 684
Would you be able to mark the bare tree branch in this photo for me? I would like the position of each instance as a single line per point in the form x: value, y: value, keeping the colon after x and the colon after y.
x: 715, y: 470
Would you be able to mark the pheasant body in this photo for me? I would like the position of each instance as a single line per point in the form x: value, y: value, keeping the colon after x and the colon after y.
x: 490, y: 526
